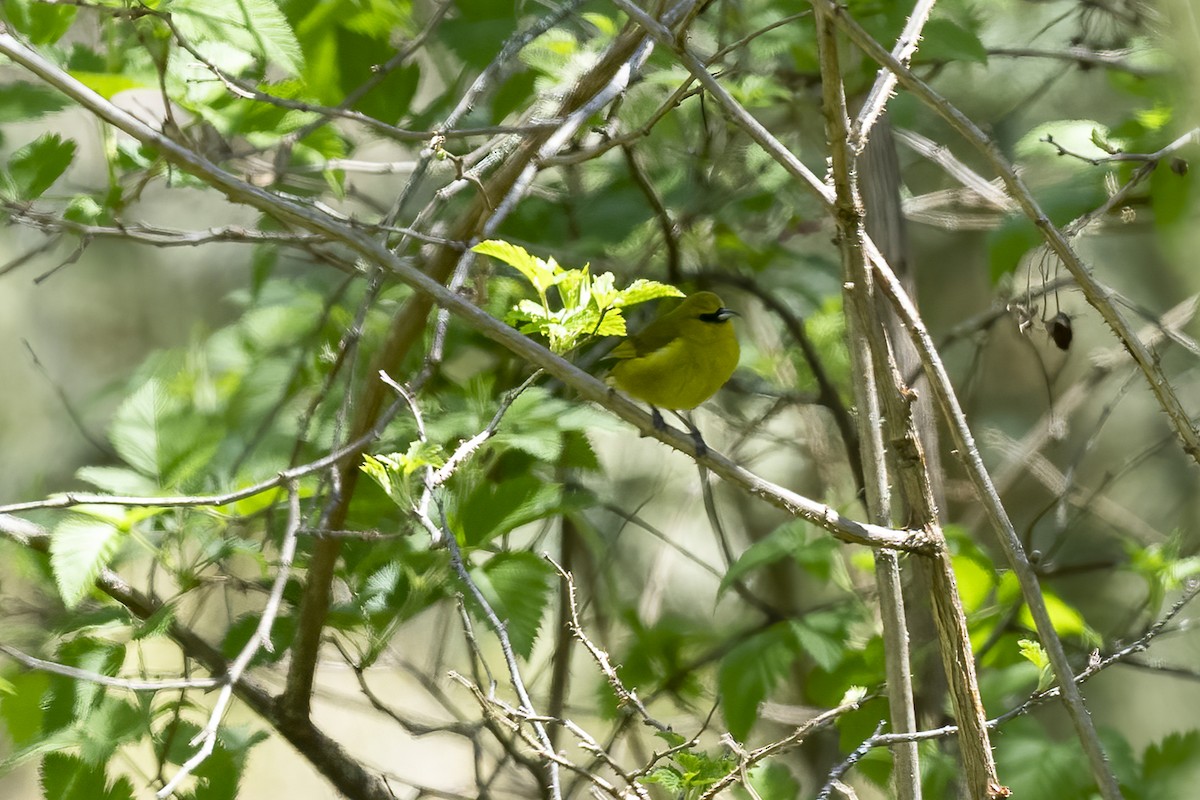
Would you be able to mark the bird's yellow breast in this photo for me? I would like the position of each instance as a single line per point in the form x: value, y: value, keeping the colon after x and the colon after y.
x: 684, y: 372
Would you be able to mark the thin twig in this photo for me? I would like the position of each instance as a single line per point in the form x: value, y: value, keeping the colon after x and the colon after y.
x: 625, y: 696
x: 260, y: 640
x: 885, y: 81
x: 69, y: 499
x: 130, y: 684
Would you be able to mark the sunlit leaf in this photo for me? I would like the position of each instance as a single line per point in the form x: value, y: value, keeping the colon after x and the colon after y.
x: 80, y: 547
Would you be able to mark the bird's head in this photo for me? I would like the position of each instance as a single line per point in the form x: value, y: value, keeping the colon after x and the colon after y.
x: 706, y: 307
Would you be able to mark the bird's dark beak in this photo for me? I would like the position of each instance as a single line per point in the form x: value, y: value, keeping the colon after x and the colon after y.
x: 725, y: 313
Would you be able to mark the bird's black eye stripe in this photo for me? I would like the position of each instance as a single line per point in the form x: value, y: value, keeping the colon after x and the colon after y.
x: 717, y: 316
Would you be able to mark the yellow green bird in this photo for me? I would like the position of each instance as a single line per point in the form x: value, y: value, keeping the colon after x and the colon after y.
x: 679, y: 360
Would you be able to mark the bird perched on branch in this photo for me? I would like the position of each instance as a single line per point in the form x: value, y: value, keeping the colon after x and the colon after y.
x: 680, y: 359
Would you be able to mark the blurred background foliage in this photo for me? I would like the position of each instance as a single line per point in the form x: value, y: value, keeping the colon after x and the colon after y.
x: 139, y: 368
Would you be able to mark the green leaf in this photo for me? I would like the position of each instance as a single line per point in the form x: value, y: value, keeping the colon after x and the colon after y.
x: 975, y: 581
x: 1171, y: 198
x: 220, y: 775
x: 1034, y: 653
x: 771, y: 781
x: 1171, y: 767
x: 22, y: 710
x: 1034, y: 766
x: 80, y: 547
x: 113, y: 723
x: 944, y: 40
x: 107, y: 84
x: 642, y: 290
x: 42, y: 23
x: 69, y: 777
x: 283, y: 630
x: 157, y: 624
x: 750, y: 671
x: 22, y: 101
x: 255, y: 26
x: 390, y: 101
x: 53, y: 742
x: 477, y: 40
x: 791, y: 540
x: 73, y: 701
x: 822, y: 635
x: 672, y: 738
x: 49, y: 22
x: 136, y: 430
x: 541, y: 274
x: 669, y: 778
x: 1006, y: 245
x: 117, y: 480
x: 518, y: 587
x: 1066, y: 618
x: 393, y: 471
x: 162, y: 437
x: 515, y: 93
x: 494, y: 509
x: 35, y: 167
x: 1080, y: 137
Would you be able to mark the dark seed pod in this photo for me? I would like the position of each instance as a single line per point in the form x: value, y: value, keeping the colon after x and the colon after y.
x: 1059, y: 328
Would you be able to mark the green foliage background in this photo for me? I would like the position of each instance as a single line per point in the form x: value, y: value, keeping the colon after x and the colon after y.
x: 208, y: 370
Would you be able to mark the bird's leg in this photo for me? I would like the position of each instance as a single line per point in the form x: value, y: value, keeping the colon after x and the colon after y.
x: 694, y: 432
x: 656, y: 417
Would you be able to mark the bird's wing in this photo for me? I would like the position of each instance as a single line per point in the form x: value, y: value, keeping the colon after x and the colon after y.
x: 655, y: 336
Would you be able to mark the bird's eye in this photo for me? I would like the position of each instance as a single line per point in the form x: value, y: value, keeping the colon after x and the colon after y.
x: 720, y: 315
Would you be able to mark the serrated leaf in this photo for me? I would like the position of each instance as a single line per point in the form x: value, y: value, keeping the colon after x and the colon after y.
x: 157, y: 624
x: 70, y: 702
x: 35, y: 167
x: 642, y: 290
x: 79, y: 548
x: 70, y: 777
x: 220, y: 775
x: 135, y: 430
x: 667, y: 777
x: 1171, y: 767
x: 518, y: 587
x: 111, y: 724
x: 392, y: 471
x: 117, y: 480
x: 1033, y: 652
x: 62, y: 739
x: 155, y: 434
x: 255, y: 26
x: 750, y: 671
x: 494, y: 509
x: 539, y: 273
